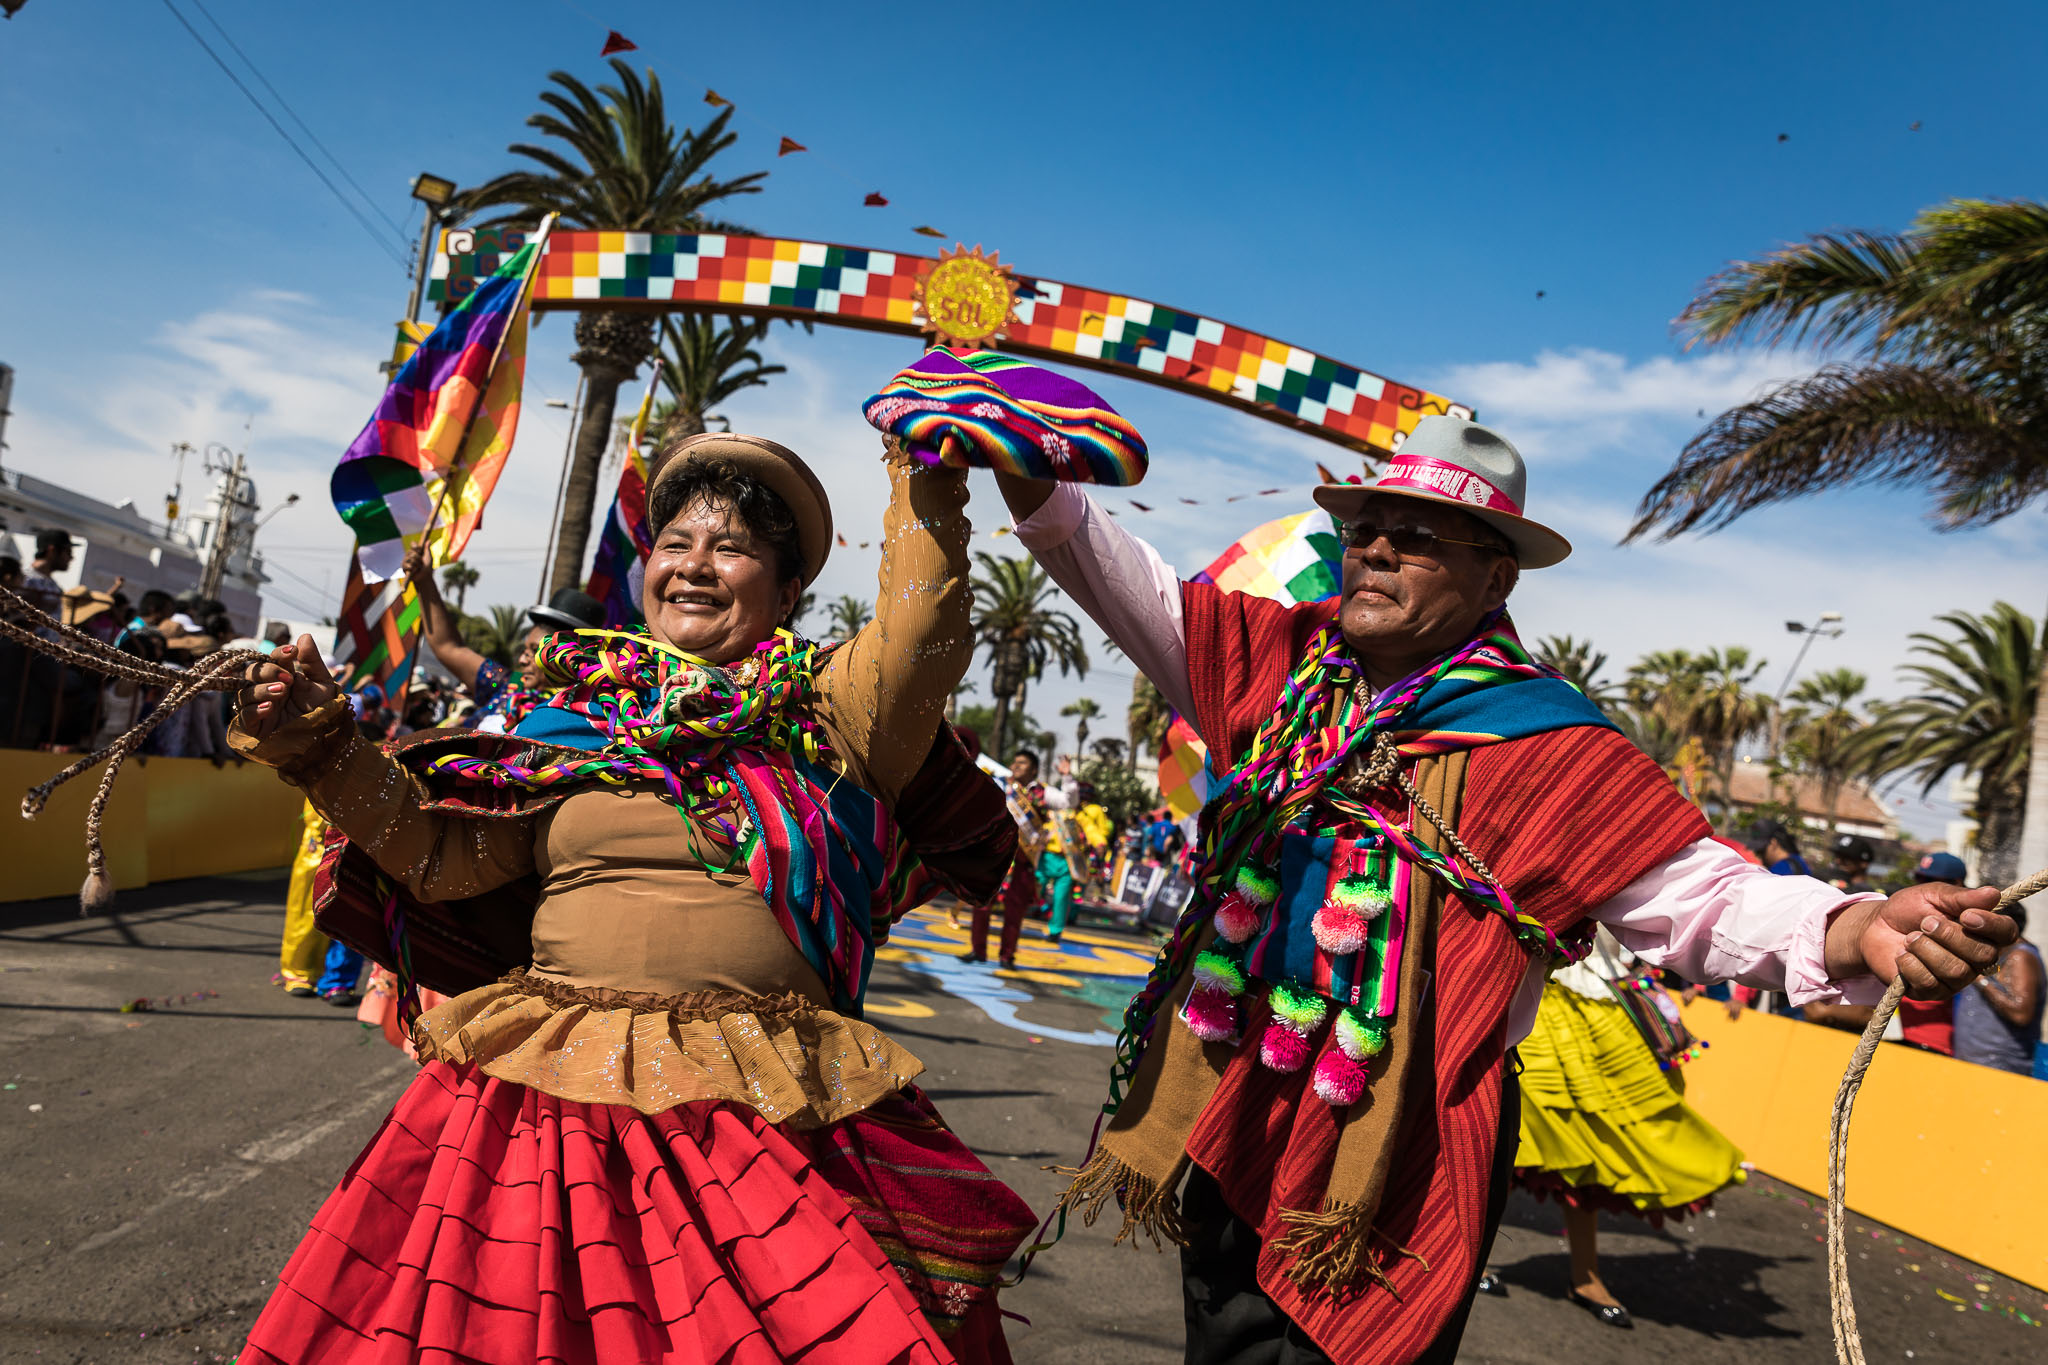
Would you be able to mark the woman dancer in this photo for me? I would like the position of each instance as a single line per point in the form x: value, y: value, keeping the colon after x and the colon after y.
x: 669, y: 1137
x: 1604, y: 1126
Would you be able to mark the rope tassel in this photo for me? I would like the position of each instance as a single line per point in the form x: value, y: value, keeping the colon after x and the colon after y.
x: 220, y: 672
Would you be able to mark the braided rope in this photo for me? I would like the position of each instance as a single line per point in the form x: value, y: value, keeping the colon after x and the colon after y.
x: 221, y: 672
x: 1849, y: 1341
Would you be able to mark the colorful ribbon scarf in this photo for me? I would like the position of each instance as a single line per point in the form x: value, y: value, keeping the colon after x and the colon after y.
x: 1488, y: 691
x: 739, y: 752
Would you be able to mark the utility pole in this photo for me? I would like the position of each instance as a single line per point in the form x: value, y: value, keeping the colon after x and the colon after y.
x: 435, y: 193
x: 223, y: 533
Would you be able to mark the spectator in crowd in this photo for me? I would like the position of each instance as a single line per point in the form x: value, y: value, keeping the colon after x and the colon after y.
x: 1998, y: 1018
x: 1929, y: 1025
x: 53, y: 556
x: 1853, y: 855
x: 152, y: 611
x: 1778, y: 849
x: 123, y: 703
x: 18, y: 667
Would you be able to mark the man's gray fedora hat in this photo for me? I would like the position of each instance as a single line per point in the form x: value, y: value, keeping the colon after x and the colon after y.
x: 1463, y: 465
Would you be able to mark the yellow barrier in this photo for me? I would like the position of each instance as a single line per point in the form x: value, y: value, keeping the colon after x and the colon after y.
x: 168, y: 818
x: 1944, y: 1150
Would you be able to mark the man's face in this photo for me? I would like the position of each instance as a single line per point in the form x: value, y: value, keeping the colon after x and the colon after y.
x: 1417, y: 604
x: 1851, y: 868
x: 1024, y: 769
x: 57, y: 558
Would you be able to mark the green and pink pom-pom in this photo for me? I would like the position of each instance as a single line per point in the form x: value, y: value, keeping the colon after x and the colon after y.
x: 1339, y: 1080
x: 1238, y: 915
x: 1281, y: 1048
x: 1215, y: 972
x: 1301, y: 1010
x: 1211, y: 1015
x: 1358, y: 1037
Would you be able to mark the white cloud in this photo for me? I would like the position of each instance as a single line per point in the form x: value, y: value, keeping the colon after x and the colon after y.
x: 274, y: 375
x: 1564, y: 406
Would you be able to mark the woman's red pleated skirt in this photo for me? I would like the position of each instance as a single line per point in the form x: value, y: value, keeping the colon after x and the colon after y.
x: 487, y: 1222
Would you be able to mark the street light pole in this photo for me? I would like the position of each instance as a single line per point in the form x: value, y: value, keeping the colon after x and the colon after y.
x: 1821, y: 628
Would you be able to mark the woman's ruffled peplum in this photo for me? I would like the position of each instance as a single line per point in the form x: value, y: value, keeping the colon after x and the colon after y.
x: 782, y: 1056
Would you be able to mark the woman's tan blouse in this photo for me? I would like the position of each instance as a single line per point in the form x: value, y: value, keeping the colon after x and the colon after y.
x: 633, y: 900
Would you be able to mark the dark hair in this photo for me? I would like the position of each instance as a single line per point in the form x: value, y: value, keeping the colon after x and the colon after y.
x: 219, y: 626
x: 10, y: 567
x: 1025, y: 753
x: 52, y: 538
x: 144, y: 644
x: 156, y: 599
x: 721, y: 483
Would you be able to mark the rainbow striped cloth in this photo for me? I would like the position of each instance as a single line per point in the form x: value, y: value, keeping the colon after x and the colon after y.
x: 982, y: 410
x: 619, y: 567
x: 426, y: 462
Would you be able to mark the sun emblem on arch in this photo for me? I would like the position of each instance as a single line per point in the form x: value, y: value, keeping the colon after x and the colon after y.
x: 965, y: 299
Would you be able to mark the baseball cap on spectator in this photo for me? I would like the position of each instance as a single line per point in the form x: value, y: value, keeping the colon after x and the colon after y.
x: 1854, y: 847
x: 1940, y: 867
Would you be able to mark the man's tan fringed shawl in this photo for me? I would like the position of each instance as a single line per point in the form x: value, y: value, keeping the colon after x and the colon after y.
x: 1143, y: 1154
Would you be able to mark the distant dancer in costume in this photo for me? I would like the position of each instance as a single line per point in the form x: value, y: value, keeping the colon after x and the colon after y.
x: 665, y: 1134
x: 1605, y: 1124
x: 1409, y: 799
x: 302, y: 954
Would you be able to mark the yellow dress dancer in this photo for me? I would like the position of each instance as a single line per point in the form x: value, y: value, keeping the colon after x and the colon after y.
x: 302, y: 954
x: 1605, y: 1127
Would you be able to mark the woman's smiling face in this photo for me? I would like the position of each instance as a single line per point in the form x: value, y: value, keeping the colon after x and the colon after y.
x: 713, y: 588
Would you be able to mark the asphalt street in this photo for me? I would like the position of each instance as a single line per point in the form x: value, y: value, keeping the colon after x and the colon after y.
x: 160, y: 1162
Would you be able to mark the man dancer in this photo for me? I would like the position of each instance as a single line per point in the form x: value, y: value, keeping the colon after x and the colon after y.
x: 1031, y: 805
x: 1416, y: 818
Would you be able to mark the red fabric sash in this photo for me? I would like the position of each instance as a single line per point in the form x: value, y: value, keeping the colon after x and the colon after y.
x: 1566, y: 820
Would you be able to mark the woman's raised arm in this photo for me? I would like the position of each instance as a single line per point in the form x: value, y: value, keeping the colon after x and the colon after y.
x: 886, y: 691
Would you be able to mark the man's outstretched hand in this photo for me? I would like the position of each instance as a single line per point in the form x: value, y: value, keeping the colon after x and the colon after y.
x: 1940, y: 938
x: 292, y: 681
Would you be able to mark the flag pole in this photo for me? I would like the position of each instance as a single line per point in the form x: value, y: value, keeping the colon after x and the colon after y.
x: 539, y: 244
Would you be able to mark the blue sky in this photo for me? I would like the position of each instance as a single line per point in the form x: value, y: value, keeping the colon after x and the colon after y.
x: 1392, y: 186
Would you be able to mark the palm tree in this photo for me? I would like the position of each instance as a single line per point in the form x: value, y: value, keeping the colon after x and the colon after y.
x: 1015, y: 620
x: 1083, y: 710
x: 1148, y: 719
x: 495, y: 636
x: 1109, y: 749
x: 1820, y: 731
x: 1579, y: 664
x: 459, y: 579
x: 704, y: 362
x: 627, y: 169
x: 1944, y: 387
x: 847, y: 615
x: 1724, y: 712
x: 1974, y: 713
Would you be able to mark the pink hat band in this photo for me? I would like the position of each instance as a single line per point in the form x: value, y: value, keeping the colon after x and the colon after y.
x: 1427, y: 475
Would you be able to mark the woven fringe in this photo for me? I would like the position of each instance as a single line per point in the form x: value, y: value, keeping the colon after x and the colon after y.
x: 1149, y: 1206
x: 1332, y: 1251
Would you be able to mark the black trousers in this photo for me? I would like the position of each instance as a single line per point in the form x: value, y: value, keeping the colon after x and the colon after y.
x: 1231, y: 1321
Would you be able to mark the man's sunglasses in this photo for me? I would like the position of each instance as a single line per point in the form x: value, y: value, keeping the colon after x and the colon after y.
x: 1412, y: 542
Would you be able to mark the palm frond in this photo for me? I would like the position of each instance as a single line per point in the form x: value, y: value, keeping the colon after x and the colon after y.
x: 1826, y: 289
x: 1847, y: 425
